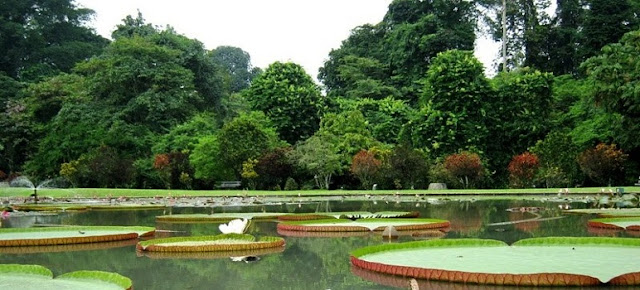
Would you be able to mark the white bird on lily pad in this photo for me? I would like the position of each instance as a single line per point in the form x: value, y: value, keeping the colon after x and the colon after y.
x: 236, y: 226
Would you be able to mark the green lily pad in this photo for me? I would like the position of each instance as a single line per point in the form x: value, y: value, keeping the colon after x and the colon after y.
x: 68, y: 247
x: 211, y: 255
x: 534, y: 262
x: 217, y: 217
x: 11, y: 237
x: 224, y: 242
x: 628, y: 223
x: 13, y: 276
x: 348, y: 215
x: 362, y: 225
x: 607, y: 212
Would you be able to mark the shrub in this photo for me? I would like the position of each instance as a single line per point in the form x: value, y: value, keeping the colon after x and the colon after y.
x: 522, y: 170
x: 365, y: 166
x: 553, y: 177
x: 602, y: 163
x: 466, y: 167
x: 291, y: 184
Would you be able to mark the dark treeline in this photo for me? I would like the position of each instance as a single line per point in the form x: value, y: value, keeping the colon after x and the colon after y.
x: 403, y: 103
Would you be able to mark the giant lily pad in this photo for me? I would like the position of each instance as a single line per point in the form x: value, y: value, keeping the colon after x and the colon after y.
x: 362, y: 225
x: 348, y: 215
x: 70, y: 235
x: 224, y: 242
x: 68, y: 247
x: 628, y: 223
x: 14, y: 276
x: 216, y: 217
x: 211, y: 255
x: 608, y: 212
x: 534, y: 262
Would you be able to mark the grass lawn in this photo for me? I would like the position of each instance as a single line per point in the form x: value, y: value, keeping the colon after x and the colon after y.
x: 118, y: 192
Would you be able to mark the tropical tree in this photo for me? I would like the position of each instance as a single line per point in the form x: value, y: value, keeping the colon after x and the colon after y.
x: 245, y: 137
x: 319, y: 157
x: 287, y: 95
x: 455, y: 109
x: 237, y: 64
x: 614, y: 77
x: 40, y: 38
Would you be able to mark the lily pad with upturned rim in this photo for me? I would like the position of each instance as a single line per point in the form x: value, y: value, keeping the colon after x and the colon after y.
x: 224, y: 242
x: 607, y: 212
x: 564, y: 261
x: 628, y: 223
x: 14, y: 276
x: 11, y: 237
x: 217, y: 217
x: 211, y: 255
x: 348, y: 215
x: 362, y: 225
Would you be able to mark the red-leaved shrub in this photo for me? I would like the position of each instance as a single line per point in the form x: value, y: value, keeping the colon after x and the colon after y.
x: 522, y: 169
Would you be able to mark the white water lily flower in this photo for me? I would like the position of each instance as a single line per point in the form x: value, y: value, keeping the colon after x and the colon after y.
x: 236, y: 226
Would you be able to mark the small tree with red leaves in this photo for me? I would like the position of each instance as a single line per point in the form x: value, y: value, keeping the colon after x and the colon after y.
x: 602, y: 163
x: 365, y: 166
x: 522, y: 169
x: 466, y: 167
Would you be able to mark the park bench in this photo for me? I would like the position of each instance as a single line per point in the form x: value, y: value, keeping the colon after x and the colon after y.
x: 638, y: 183
x: 229, y: 184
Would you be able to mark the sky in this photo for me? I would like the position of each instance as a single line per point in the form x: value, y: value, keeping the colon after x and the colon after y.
x: 301, y: 31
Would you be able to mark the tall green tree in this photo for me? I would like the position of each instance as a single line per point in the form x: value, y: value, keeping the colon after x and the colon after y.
x: 614, y: 75
x: 237, y: 63
x: 245, y: 137
x: 40, y: 38
x: 605, y: 22
x: 525, y: 37
x: 289, y: 97
x: 389, y: 58
x: 456, y: 106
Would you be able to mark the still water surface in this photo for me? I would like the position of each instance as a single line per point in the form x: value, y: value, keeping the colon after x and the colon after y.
x: 306, y: 262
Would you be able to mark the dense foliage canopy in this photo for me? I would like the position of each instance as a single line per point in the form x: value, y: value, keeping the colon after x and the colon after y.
x: 403, y: 102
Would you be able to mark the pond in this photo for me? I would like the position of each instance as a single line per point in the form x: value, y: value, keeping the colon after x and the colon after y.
x: 306, y: 262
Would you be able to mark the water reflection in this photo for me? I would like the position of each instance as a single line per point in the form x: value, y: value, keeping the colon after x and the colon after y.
x: 306, y: 262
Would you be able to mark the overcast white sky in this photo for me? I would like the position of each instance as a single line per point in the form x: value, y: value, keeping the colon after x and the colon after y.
x: 301, y: 31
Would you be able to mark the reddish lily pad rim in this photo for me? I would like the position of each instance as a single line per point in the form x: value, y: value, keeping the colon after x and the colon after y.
x: 609, y: 223
x: 539, y: 279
